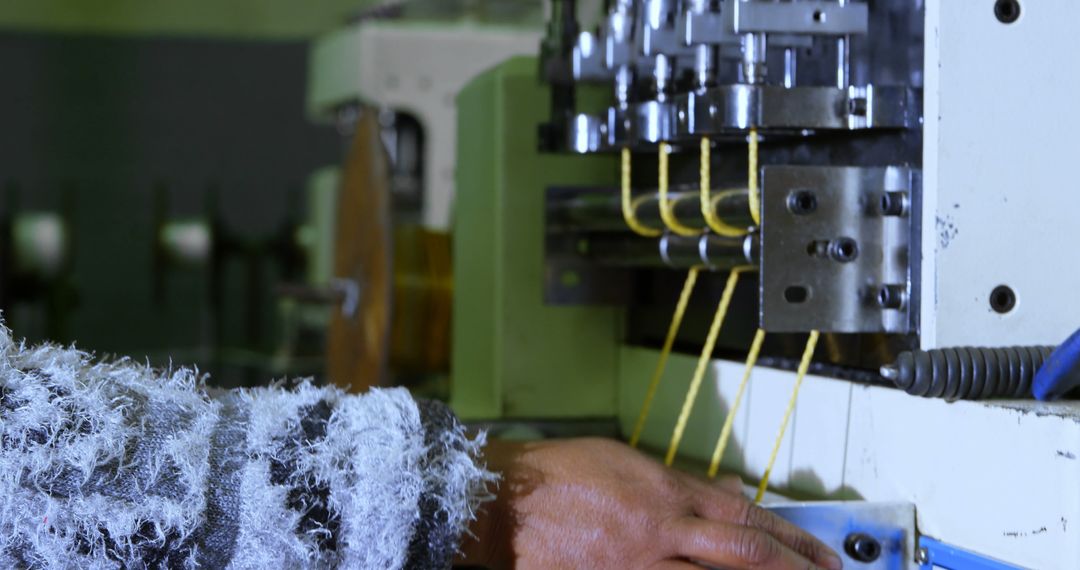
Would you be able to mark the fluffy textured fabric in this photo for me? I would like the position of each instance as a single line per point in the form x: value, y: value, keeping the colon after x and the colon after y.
x: 116, y: 465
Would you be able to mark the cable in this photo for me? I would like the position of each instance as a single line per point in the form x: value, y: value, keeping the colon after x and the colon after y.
x: 752, y: 181
x: 628, y: 204
x: 708, y: 204
x: 667, y: 212
x: 703, y: 361
x: 804, y: 366
x: 669, y: 341
x: 729, y: 422
x: 969, y: 373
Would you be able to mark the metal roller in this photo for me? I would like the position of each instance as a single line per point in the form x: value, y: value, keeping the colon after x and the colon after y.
x: 602, y: 212
x: 677, y: 252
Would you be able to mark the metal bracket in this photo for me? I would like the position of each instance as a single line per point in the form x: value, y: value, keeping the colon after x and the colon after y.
x: 587, y: 58
x: 735, y: 107
x: 880, y: 535
x: 866, y: 535
x: 816, y: 18
x: 728, y: 110
x: 836, y: 247
x: 709, y: 28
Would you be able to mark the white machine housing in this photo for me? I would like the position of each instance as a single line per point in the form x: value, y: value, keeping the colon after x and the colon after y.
x: 998, y: 191
x: 416, y: 68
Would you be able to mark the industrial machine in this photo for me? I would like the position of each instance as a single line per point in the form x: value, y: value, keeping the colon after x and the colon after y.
x: 874, y: 160
x: 888, y: 174
x: 406, y: 69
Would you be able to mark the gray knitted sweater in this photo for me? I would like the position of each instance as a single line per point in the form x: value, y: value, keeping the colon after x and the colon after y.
x: 116, y: 465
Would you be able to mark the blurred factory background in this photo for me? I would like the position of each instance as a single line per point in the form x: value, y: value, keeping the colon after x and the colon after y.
x: 160, y: 176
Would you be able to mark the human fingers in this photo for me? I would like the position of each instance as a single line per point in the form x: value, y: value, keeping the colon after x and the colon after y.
x: 735, y: 546
x: 717, y: 506
x: 674, y: 565
x: 729, y: 483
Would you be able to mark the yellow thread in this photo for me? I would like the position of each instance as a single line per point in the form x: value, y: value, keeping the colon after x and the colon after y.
x: 752, y: 182
x: 804, y: 365
x: 667, y: 212
x: 669, y: 341
x: 724, y: 194
x: 708, y: 205
x: 729, y: 422
x: 703, y: 361
x: 627, y: 202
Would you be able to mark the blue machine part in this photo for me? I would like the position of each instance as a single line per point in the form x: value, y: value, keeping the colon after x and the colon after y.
x: 1060, y: 374
x: 871, y: 536
x: 866, y: 535
x: 936, y: 554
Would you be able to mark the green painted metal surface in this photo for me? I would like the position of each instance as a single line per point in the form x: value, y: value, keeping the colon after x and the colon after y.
x: 513, y: 356
x: 262, y: 19
x: 247, y: 19
x: 703, y: 427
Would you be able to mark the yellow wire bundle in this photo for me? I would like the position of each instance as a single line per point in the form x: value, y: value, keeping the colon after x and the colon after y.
x: 669, y: 341
x: 752, y: 177
x: 703, y: 362
x: 804, y: 366
x: 708, y: 204
x: 667, y: 211
x: 729, y: 422
x: 627, y: 201
x: 708, y: 210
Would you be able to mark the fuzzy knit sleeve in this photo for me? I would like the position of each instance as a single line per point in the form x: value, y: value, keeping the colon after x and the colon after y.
x: 116, y: 465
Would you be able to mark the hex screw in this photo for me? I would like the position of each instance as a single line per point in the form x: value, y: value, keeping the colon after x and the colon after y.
x: 862, y: 547
x: 844, y: 249
x: 892, y: 297
x: 893, y: 204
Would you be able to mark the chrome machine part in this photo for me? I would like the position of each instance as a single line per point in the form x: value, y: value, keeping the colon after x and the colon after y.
x: 658, y: 41
x: 590, y: 254
x: 832, y: 259
x: 671, y: 251
x: 601, y: 211
x: 853, y: 83
x: 596, y: 269
x: 725, y: 112
x: 828, y: 85
x: 709, y: 251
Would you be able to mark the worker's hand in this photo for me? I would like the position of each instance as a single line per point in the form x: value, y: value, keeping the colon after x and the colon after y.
x: 595, y: 504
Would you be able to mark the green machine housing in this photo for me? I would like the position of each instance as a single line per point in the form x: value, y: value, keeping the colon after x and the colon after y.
x: 513, y: 357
